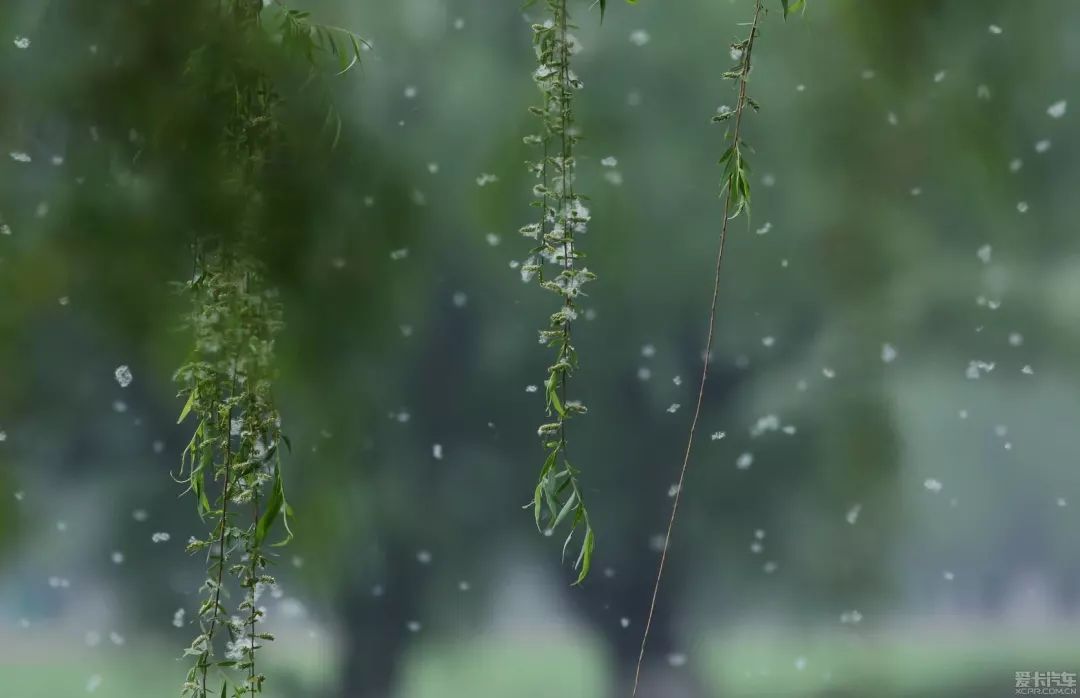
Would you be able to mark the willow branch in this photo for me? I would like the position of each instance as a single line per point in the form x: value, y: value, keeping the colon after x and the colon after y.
x: 731, y: 196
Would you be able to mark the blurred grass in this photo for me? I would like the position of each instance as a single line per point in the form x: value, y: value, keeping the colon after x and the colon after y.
x: 124, y: 671
x: 48, y: 664
x: 924, y: 662
x: 531, y: 669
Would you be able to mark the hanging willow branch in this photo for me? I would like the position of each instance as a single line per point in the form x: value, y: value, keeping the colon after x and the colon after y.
x: 228, y: 385
x: 553, y: 262
x: 735, y: 191
x: 227, y: 381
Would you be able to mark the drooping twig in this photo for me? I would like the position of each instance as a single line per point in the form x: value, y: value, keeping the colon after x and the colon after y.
x: 736, y: 192
x: 557, y: 497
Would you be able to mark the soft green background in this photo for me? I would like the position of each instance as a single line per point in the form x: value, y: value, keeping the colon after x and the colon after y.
x: 881, y: 166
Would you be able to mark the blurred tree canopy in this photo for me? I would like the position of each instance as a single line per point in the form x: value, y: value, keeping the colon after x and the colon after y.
x: 877, y: 180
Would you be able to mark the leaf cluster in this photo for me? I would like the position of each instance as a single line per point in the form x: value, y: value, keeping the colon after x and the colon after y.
x: 234, y: 452
x: 554, y: 263
x: 232, y: 463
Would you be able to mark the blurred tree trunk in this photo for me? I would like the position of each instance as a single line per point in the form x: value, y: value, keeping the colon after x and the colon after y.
x: 376, y: 629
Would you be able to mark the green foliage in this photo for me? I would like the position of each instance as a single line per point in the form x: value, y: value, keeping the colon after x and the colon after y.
x: 602, y: 4
x: 318, y: 43
x: 227, y: 381
x: 553, y: 262
x: 603, y: 7
x: 735, y: 183
x: 299, y: 34
x: 277, y: 505
x: 791, y: 6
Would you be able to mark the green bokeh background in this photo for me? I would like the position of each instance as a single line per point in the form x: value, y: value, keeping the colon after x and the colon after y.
x: 881, y: 166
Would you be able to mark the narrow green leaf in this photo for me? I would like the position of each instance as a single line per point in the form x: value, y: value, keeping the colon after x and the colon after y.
x: 567, y: 508
x: 553, y: 397
x: 337, y: 131
x: 552, y: 503
x: 792, y: 6
x: 569, y: 537
x: 549, y: 463
x: 273, y: 508
x: 335, y: 51
x: 198, y: 485
x: 585, y: 557
x: 538, y: 502
x: 187, y: 407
